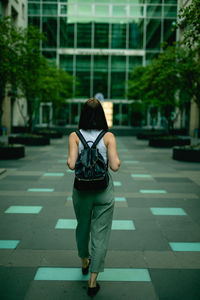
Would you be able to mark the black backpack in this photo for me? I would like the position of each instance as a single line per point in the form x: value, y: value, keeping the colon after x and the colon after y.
x: 91, y: 171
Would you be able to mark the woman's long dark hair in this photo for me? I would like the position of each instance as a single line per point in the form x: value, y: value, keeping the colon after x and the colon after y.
x: 92, y: 116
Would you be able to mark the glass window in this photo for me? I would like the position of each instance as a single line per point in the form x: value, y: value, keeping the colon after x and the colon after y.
x: 170, y: 1
x: 136, y: 30
x: 34, y: 21
x: 100, y: 81
x: 116, y: 114
x: 150, y: 57
x: 134, y: 61
x: 63, y: 9
x: 119, y: 10
x: 102, y: 10
x: 49, y: 28
x: 136, y: 11
x: 101, y: 35
x: 49, y: 9
x: 170, y: 11
x: 153, y: 1
x: 50, y: 55
x: 74, y: 113
x: 118, y: 75
x: 118, y: 36
x: 71, y: 9
x: 84, y: 35
x: 154, y: 11
x: 153, y: 36
x: 66, y: 33
x: 124, y: 116
x: 169, y: 31
x: 33, y: 8
x: 66, y: 63
x: 84, y: 10
x: 83, y: 63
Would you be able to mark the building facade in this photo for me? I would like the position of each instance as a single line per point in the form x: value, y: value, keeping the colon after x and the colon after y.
x: 100, y: 42
x: 14, y: 108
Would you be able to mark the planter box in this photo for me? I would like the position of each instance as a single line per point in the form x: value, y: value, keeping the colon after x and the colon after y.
x: 12, y: 152
x: 147, y: 135
x: 168, y: 143
x: 50, y: 135
x: 29, y: 141
x: 186, y: 154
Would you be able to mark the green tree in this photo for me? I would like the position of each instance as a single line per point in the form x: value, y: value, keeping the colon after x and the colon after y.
x: 32, y: 75
x: 189, y: 23
x: 157, y: 84
x: 11, y: 41
x: 56, y: 86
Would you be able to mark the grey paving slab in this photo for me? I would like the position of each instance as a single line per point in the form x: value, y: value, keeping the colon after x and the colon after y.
x: 51, y: 239
x: 77, y: 290
x: 15, y: 282
x: 161, y: 259
x: 176, y: 284
x: 145, y: 247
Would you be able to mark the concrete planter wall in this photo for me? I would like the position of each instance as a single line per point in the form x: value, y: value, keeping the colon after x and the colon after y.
x: 168, y: 143
x: 29, y: 141
x: 50, y: 134
x: 186, y: 154
x: 12, y: 152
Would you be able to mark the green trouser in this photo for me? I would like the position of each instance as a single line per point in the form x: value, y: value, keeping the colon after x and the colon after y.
x: 94, y: 213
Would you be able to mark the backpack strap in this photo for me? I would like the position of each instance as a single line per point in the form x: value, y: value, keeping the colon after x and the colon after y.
x: 101, y: 134
x: 81, y: 137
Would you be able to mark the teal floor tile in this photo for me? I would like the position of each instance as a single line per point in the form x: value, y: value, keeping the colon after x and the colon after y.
x: 23, y: 210
x: 141, y: 176
x: 123, y: 225
x: 153, y: 191
x: 69, y: 171
x: 185, y: 246
x: 131, y: 161
x: 53, y: 174
x: 61, y: 161
x: 117, y: 183
x: 66, y: 224
x: 168, y: 211
x: 8, y: 244
x: 75, y: 274
x: 120, y: 199
x: 122, y: 150
x: 40, y: 190
x: 116, y: 224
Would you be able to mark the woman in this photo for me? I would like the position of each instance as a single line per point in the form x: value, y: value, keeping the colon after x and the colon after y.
x: 93, y: 209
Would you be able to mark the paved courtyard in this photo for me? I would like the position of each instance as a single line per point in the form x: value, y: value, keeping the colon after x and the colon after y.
x: 154, y: 250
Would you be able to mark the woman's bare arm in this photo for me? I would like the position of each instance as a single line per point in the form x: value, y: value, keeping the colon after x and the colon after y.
x: 72, y: 150
x: 113, y: 159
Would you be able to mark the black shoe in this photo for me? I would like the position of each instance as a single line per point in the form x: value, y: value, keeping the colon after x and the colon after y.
x: 85, y: 270
x: 92, y: 291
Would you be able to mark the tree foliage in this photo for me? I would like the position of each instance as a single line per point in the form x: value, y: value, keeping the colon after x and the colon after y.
x: 189, y: 22
x: 32, y: 75
x: 173, y: 78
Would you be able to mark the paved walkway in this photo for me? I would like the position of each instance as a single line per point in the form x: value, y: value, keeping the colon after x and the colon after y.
x: 154, y: 250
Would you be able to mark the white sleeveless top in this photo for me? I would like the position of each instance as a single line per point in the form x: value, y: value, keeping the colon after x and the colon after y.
x: 90, y: 136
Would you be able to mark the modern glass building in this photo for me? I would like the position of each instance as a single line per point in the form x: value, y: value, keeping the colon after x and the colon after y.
x: 100, y: 42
